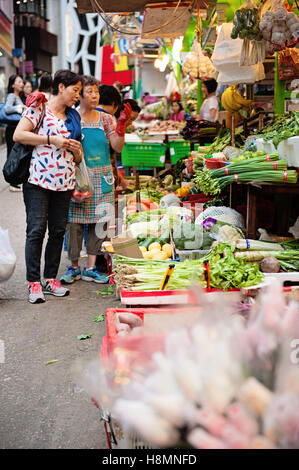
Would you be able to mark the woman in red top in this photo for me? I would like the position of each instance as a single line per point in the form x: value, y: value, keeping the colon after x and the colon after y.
x: 178, y: 113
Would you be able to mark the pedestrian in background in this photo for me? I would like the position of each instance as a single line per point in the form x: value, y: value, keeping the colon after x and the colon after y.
x: 27, y: 90
x: 47, y: 193
x: 13, y: 105
x: 45, y: 85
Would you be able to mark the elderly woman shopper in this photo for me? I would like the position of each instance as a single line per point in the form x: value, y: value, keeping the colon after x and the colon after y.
x: 47, y: 193
x: 99, y: 130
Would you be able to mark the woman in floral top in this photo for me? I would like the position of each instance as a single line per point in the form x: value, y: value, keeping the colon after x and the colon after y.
x: 47, y: 194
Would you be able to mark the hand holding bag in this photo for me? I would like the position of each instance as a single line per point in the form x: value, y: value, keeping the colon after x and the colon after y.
x: 83, y: 188
x: 16, y: 167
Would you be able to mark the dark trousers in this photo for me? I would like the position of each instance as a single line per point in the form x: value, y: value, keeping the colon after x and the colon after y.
x: 44, y: 208
x: 9, y: 132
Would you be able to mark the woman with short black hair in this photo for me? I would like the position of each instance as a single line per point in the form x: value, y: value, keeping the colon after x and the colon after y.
x: 47, y: 193
x: 210, y: 106
x: 45, y: 85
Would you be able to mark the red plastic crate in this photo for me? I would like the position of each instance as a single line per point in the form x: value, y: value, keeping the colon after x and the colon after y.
x: 213, y: 163
x: 193, y: 201
x: 148, y: 343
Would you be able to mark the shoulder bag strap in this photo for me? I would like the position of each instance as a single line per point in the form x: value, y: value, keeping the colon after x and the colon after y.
x: 40, y: 119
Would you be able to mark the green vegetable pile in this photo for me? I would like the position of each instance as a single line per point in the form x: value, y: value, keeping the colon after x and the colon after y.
x: 145, y: 216
x: 281, y: 128
x: 227, y: 272
x: 246, y: 24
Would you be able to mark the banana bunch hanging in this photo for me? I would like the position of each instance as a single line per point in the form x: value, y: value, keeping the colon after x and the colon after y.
x: 232, y: 101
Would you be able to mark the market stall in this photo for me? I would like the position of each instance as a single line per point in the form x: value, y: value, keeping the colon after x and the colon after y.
x: 211, y: 240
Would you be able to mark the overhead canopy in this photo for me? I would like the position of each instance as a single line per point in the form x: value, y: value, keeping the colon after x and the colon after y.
x: 115, y: 6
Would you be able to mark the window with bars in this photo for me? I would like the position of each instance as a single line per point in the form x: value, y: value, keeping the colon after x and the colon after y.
x: 31, y: 7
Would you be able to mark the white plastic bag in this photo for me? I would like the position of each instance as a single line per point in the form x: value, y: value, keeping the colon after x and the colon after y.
x: 226, y: 58
x: 7, y: 256
x: 227, y: 51
x: 244, y: 74
x: 83, y: 187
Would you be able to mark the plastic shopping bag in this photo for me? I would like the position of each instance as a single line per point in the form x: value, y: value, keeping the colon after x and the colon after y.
x: 83, y: 188
x: 7, y: 256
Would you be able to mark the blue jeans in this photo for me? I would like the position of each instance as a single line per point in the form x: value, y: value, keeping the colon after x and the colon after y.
x: 44, y: 208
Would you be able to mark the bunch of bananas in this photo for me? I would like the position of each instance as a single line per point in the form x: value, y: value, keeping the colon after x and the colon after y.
x: 232, y: 101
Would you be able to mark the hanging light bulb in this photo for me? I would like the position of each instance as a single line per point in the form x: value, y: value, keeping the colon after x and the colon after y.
x: 157, y: 63
x: 176, y: 48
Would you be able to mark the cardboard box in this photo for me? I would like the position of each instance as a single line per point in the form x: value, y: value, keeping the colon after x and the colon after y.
x: 126, y: 245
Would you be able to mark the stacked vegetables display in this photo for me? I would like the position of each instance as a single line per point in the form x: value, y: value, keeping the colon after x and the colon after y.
x: 196, y: 128
x: 265, y: 168
x: 214, y: 382
x: 226, y: 272
x: 281, y: 128
x: 272, y: 256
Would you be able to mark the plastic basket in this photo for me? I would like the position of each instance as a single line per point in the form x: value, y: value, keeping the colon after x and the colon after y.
x: 178, y: 149
x: 144, y: 155
x: 117, y: 436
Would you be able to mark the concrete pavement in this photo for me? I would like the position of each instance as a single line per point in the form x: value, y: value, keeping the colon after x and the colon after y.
x: 41, y: 406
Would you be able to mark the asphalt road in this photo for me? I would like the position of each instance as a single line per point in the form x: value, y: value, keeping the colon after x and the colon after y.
x: 42, y: 406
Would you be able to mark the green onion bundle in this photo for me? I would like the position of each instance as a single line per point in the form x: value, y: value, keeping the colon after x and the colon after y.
x: 211, y: 185
x: 273, y: 176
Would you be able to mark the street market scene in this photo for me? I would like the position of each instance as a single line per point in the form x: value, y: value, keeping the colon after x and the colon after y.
x: 149, y: 225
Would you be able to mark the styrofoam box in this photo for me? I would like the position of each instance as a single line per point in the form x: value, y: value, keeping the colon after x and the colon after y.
x: 287, y: 149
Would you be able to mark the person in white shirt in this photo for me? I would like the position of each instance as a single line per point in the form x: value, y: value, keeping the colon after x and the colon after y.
x: 210, y: 107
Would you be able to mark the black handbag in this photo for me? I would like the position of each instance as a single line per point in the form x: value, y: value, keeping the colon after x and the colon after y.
x: 16, y: 167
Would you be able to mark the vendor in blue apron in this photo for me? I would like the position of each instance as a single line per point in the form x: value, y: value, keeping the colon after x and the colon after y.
x: 98, y: 131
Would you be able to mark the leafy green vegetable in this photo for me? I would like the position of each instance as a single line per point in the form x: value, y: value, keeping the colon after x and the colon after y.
x: 99, y: 318
x: 107, y: 291
x: 281, y: 128
x: 84, y: 337
x: 227, y: 272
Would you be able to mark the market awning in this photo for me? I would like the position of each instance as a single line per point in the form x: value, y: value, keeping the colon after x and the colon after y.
x: 112, y: 6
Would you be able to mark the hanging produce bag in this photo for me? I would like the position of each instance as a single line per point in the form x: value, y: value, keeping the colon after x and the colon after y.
x: 245, y: 74
x: 198, y: 65
x: 279, y: 28
x: 246, y: 27
x: 227, y: 52
x: 83, y: 188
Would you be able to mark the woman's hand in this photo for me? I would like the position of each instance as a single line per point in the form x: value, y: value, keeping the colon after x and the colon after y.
x: 69, y: 144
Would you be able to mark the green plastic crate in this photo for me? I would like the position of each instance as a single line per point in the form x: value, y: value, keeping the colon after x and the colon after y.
x: 197, y: 145
x: 178, y: 149
x: 143, y: 155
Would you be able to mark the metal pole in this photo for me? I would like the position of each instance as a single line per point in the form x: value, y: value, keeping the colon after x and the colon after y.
x: 23, y: 57
x: 279, y: 90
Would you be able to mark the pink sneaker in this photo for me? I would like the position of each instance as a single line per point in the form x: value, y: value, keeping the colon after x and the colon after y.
x: 54, y: 287
x: 36, y: 295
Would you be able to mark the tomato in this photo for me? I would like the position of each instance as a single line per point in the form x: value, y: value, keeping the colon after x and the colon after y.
x: 77, y: 193
x: 85, y: 194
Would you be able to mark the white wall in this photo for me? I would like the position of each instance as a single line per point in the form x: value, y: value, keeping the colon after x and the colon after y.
x: 55, y: 26
x: 153, y: 81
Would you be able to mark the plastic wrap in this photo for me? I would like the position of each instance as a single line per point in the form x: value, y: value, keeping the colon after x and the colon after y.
x: 83, y: 186
x: 7, y: 256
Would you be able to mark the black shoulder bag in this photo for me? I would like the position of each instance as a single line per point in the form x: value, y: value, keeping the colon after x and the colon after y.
x: 16, y: 167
